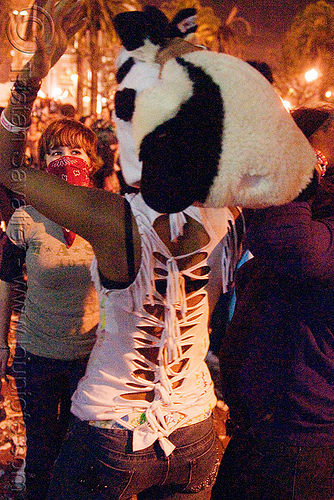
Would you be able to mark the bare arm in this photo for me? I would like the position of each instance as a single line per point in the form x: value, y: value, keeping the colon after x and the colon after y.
x: 95, y: 214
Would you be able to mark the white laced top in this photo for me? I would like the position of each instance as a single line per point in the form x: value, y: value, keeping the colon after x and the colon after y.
x: 149, y: 355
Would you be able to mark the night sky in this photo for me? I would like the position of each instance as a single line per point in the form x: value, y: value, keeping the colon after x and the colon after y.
x: 266, y: 15
x: 269, y: 20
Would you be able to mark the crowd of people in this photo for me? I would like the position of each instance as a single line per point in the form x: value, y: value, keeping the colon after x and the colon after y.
x: 110, y: 363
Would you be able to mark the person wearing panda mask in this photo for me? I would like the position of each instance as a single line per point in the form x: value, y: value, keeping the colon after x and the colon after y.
x: 143, y: 412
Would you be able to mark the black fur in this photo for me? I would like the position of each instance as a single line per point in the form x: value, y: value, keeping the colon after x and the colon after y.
x: 125, y: 104
x: 181, y: 156
x: 124, y: 70
x: 134, y: 27
x: 180, y: 16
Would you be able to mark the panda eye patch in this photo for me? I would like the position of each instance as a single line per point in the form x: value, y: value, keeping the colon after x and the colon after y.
x: 125, y: 104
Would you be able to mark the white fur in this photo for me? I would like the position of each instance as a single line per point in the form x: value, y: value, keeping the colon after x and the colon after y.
x: 162, y: 101
x: 141, y: 76
x: 146, y: 52
x: 265, y: 159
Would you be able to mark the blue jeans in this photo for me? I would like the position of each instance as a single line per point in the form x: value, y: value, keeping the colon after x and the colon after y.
x: 44, y: 388
x: 253, y: 469
x: 99, y: 464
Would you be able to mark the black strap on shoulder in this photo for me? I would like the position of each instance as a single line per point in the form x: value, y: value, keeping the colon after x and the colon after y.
x: 130, y: 255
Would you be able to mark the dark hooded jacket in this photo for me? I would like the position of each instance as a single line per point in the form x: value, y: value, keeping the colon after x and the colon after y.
x: 277, y: 357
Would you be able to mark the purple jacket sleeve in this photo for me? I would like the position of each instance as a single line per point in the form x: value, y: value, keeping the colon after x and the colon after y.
x: 292, y: 242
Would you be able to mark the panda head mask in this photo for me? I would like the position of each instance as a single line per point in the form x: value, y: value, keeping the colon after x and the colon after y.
x: 209, y: 128
x: 143, y: 34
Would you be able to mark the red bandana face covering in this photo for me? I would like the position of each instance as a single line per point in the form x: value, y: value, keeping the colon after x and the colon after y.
x: 75, y: 171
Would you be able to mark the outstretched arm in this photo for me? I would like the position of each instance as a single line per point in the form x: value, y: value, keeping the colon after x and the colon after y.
x: 66, y: 17
x: 94, y: 214
x: 52, y: 198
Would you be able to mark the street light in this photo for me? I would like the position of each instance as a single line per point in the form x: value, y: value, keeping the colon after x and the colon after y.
x: 311, y: 75
x: 74, y: 77
x: 56, y: 92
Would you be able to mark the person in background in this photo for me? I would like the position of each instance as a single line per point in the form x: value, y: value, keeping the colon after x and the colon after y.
x: 107, y: 140
x: 264, y: 69
x: 33, y: 136
x: 67, y: 111
x: 5, y: 309
x: 277, y: 356
x: 13, y: 288
x: 5, y: 315
x: 107, y: 177
x: 87, y: 120
x: 105, y: 121
x: 317, y: 123
x: 105, y: 129
x: 56, y: 329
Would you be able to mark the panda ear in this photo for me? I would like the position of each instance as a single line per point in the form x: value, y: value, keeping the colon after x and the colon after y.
x: 157, y: 25
x: 128, y: 27
x: 135, y: 27
x: 183, y: 24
